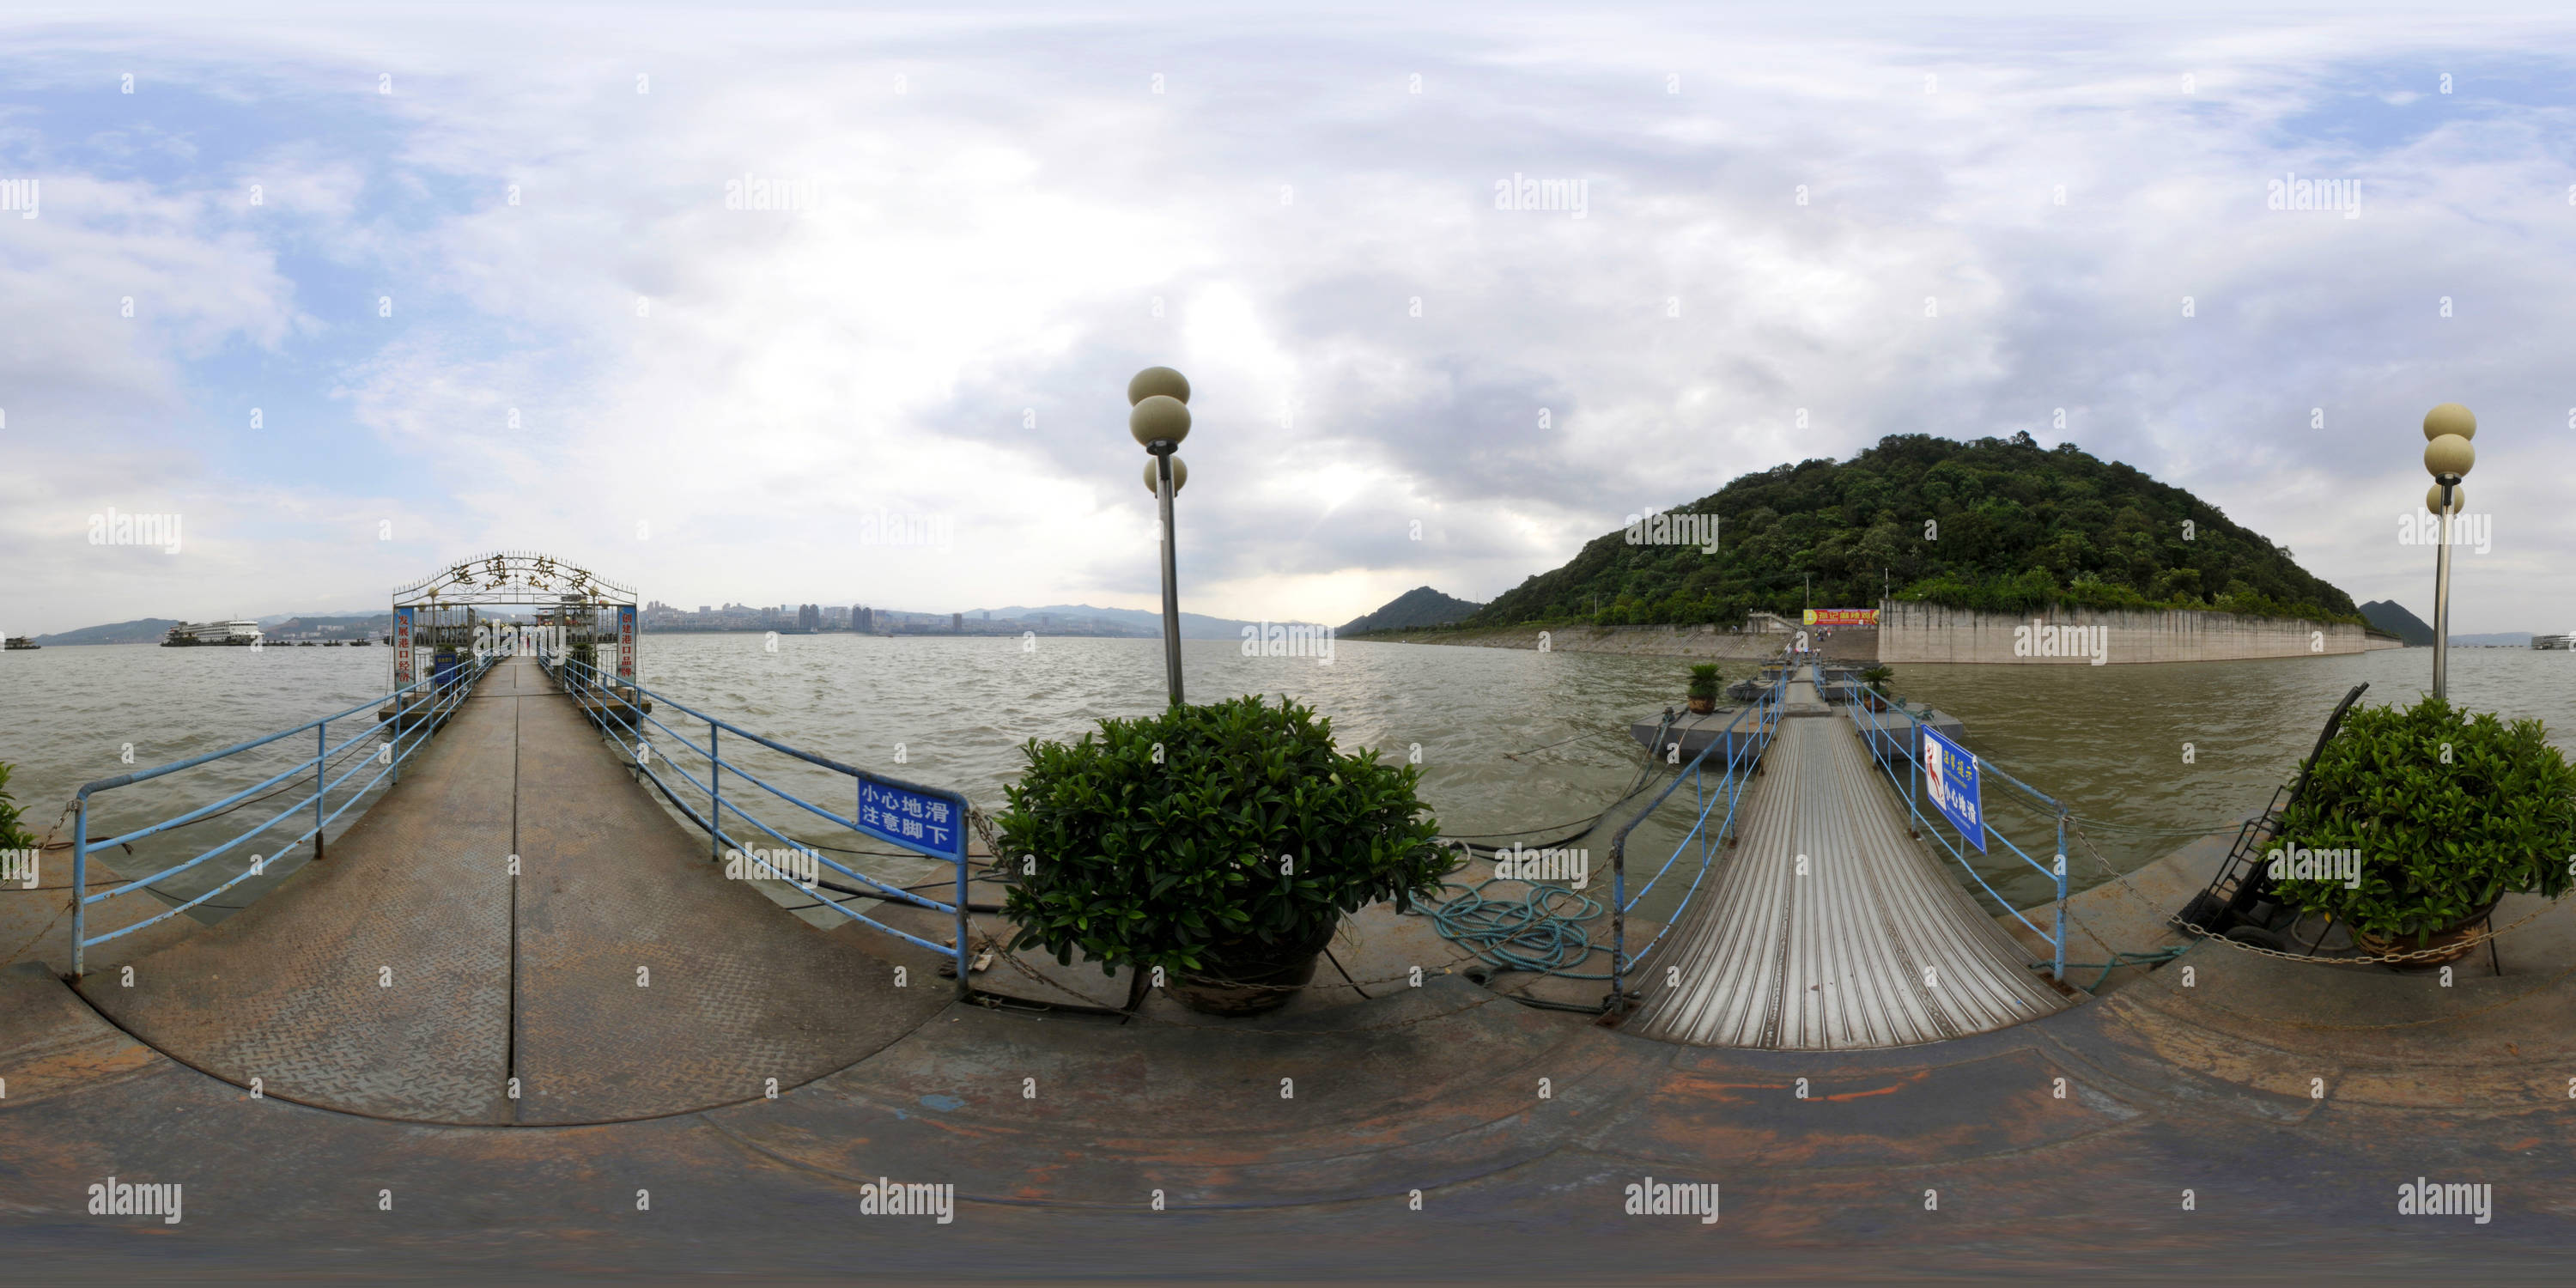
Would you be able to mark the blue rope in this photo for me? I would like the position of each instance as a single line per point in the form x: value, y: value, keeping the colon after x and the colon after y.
x: 1529, y: 933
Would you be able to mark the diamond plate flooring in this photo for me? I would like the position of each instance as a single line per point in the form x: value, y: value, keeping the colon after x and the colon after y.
x: 377, y: 980
x: 649, y: 984
x: 410, y: 976
x: 1872, y: 946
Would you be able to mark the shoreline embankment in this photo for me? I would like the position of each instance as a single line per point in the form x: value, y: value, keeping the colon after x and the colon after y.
x: 1918, y: 632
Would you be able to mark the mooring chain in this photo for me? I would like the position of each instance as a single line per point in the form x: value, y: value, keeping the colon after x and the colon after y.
x: 2417, y: 954
x: 1139, y: 1014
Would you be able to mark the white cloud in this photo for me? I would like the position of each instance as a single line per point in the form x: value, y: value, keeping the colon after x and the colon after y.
x: 989, y: 242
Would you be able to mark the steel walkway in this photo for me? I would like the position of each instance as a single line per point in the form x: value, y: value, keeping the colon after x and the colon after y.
x: 1872, y: 946
x: 618, y: 976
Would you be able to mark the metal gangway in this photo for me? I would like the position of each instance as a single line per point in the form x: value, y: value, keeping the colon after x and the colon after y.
x: 1828, y: 925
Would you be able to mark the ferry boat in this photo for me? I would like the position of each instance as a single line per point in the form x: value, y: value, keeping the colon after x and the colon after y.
x: 218, y: 634
x: 20, y: 643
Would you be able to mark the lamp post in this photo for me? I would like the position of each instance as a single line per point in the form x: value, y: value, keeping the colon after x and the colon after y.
x: 2447, y: 457
x: 1158, y: 415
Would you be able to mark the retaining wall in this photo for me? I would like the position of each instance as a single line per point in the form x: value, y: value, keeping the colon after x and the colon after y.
x: 1916, y: 632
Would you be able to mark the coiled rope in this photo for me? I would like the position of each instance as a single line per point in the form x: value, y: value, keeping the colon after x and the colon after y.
x: 1536, y: 932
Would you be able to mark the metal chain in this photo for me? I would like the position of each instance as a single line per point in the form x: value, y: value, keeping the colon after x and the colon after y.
x: 2447, y: 951
x: 1139, y: 1015
x: 983, y: 825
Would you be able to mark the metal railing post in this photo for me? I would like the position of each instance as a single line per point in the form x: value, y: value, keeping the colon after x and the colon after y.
x: 965, y: 988
x: 1619, y: 923
x: 1913, y: 765
x: 321, y: 753
x: 715, y: 798
x: 2061, y: 896
x: 80, y: 881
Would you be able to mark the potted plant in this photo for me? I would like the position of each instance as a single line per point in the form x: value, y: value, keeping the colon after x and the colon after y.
x: 1874, y: 685
x: 1214, y: 846
x: 1704, y: 682
x: 2414, y: 823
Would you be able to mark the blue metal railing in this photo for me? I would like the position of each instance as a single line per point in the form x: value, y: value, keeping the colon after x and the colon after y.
x: 1883, y: 741
x: 418, y: 709
x: 622, y: 711
x: 1742, y: 755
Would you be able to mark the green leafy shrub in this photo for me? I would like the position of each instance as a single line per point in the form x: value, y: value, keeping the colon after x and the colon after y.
x: 1161, y: 841
x: 1704, y: 680
x: 2448, y: 811
x: 12, y: 835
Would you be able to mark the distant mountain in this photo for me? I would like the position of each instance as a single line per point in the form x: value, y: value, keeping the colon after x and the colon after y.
x: 1194, y: 626
x: 146, y: 630
x: 2392, y: 617
x: 1420, y: 606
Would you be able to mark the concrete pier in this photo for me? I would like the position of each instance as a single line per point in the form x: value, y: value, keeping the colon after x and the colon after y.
x: 618, y: 975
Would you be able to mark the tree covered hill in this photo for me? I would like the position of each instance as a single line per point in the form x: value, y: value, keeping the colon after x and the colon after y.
x: 1420, y: 606
x: 1997, y: 524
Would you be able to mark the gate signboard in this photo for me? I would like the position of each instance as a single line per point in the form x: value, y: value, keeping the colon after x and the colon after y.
x: 1950, y: 778
x: 626, y: 644
x: 402, y: 648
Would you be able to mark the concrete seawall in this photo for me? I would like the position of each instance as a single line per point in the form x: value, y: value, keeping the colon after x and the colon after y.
x: 1700, y: 641
x: 1916, y: 632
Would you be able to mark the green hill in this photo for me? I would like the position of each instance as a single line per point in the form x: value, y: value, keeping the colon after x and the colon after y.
x: 2394, y: 618
x: 1420, y: 606
x: 1997, y: 524
x: 142, y: 630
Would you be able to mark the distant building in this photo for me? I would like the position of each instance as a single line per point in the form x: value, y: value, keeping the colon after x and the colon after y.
x: 864, y: 618
x: 957, y: 622
x: 809, y: 617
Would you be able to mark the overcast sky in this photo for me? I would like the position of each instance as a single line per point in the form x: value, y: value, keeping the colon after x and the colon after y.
x: 476, y: 277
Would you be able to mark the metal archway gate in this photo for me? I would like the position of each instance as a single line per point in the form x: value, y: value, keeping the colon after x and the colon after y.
x: 438, y: 614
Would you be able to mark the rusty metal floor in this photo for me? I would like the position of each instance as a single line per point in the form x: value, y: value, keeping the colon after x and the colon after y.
x: 410, y: 976
x: 1875, y: 946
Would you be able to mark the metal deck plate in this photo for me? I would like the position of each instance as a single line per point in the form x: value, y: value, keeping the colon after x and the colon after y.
x: 1837, y: 958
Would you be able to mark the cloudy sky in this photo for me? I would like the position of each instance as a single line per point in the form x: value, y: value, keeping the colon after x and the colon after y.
x: 354, y: 297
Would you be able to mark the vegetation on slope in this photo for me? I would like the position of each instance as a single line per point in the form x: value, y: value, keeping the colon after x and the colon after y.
x: 1997, y: 524
x: 1420, y: 606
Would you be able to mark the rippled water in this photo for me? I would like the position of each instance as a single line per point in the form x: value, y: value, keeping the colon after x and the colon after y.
x: 1511, y: 740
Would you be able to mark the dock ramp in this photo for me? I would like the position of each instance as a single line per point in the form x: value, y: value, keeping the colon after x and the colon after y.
x: 1830, y: 927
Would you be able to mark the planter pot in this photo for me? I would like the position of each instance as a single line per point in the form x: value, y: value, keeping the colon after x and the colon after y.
x: 2448, y: 945
x: 1702, y: 706
x: 1250, y: 977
